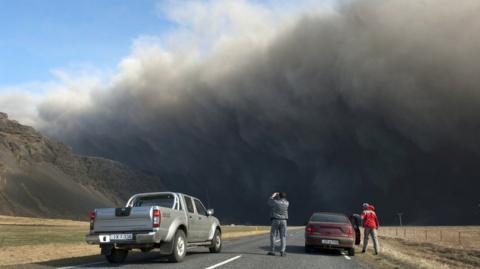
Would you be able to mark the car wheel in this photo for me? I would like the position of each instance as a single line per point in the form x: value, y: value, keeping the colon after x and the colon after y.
x: 216, y: 246
x: 117, y: 255
x: 179, y: 247
x: 351, y: 252
x: 308, y: 249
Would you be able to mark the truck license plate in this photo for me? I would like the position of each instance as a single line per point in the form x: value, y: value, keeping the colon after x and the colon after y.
x: 121, y: 237
x: 329, y: 242
x: 104, y: 238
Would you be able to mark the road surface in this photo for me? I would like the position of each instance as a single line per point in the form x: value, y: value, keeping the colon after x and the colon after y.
x: 242, y: 253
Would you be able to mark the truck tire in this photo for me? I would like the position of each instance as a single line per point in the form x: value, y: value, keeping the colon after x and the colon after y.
x: 179, y: 247
x: 351, y: 252
x: 216, y: 246
x: 117, y: 255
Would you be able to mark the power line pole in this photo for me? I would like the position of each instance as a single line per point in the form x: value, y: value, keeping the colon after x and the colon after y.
x: 400, y: 218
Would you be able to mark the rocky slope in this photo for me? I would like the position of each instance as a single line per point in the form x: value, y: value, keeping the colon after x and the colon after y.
x: 42, y: 177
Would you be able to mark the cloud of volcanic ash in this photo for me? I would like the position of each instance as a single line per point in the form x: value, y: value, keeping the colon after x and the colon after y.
x: 378, y: 101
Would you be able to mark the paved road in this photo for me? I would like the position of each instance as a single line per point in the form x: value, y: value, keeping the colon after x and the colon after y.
x: 242, y: 253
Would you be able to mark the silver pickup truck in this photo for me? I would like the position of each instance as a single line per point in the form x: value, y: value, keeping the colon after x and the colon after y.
x: 167, y: 221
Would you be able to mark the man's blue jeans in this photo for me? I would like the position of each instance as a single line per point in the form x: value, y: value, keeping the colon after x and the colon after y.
x: 280, y: 227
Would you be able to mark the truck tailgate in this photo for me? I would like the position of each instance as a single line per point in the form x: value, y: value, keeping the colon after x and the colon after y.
x: 139, y: 219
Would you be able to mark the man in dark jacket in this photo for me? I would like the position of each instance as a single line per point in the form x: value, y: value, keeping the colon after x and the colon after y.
x: 279, y: 216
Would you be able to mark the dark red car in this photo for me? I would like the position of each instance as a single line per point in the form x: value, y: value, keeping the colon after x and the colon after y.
x: 330, y: 230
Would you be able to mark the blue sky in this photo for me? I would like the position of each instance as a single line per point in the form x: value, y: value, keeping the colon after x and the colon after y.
x: 40, y: 36
x: 37, y: 36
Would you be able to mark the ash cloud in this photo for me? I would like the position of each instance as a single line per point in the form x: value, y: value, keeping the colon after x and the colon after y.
x: 377, y: 102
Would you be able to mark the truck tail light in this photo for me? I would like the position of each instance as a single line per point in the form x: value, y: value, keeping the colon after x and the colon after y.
x: 93, y: 215
x: 156, y: 218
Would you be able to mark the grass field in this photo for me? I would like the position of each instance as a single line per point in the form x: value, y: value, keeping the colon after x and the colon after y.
x: 29, y: 240
x: 22, y: 235
x: 427, y: 247
x: 459, y: 237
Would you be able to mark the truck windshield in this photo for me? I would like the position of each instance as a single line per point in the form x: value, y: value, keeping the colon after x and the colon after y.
x: 164, y: 200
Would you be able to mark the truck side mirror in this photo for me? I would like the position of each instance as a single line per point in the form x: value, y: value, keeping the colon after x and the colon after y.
x: 210, y: 212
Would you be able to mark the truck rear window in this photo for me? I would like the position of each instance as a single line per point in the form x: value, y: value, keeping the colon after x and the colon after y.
x: 165, y: 200
x: 332, y: 218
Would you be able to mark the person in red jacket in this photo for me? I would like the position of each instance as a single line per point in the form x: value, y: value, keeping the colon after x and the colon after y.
x: 370, y: 225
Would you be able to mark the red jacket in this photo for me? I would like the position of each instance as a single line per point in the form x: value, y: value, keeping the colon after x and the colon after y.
x: 369, y: 218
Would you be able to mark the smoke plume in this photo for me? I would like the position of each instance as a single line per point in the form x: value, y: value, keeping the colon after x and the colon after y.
x: 378, y: 101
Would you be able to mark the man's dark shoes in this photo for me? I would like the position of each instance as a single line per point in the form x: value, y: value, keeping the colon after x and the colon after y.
x: 363, y: 251
x: 271, y: 253
x: 283, y: 254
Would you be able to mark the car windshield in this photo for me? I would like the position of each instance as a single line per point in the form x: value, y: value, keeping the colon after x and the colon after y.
x: 332, y: 218
x: 164, y: 200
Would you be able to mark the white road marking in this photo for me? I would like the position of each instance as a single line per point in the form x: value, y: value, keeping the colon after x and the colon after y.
x: 80, y: 265
x: 224, y: 262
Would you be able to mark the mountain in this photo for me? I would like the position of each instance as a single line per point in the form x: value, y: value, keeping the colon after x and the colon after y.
x: 44, y: 178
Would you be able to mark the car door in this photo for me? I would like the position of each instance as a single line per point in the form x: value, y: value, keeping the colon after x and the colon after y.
x: 355, y: 220
x: 193, y: 222
x: 204, y: 222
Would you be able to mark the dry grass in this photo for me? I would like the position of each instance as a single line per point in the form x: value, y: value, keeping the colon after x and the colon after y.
x: 33, y: 240
x: 13, y: 255
x: 464, y: 237
x: 237, y: 231
x: 28, y: 240
x: 410, y: 248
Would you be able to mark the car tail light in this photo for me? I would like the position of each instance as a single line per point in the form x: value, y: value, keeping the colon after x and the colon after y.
x: 156, y: 218
x: 93, y: 215
x: 347, y: 230
x: 309, y: 230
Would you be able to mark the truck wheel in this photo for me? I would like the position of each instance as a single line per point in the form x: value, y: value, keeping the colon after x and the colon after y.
x: 179, y: 247
x: 308, y: 249
x: 117, y: 255
x: 351, y: 252
x: 216, y: 246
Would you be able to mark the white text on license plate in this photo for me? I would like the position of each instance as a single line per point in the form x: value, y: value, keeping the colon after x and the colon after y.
x: 104, y: 238
x: 329, y: 242
x: 121, y: 237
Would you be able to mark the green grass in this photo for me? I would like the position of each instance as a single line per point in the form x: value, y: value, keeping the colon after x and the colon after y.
x: 22, y: 235
x: 38, y: 234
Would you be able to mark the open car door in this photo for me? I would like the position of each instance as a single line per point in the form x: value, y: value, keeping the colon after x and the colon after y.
x: 356, y: 222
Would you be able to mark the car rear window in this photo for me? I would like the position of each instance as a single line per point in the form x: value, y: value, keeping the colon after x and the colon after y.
x: 164, y: 200
x: 332, y: 218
